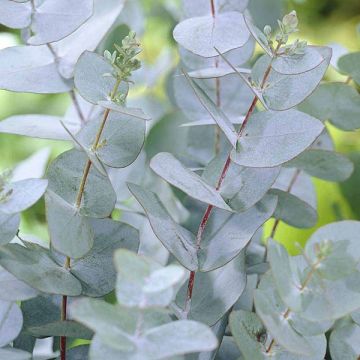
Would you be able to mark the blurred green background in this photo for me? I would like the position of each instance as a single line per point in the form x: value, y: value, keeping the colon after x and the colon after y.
x: 321, y: 22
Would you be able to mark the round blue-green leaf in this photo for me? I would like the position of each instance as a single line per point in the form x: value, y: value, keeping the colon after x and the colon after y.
x: 324, y: 164
x: 53, y: 20
x: 65, y: 174
x: 14, y: 15
x: 336, y: 102
x: 9, y: 226
x: 345, y: 342
x: 273, y: 138
x: 349, y: 64
x: 11, y: 321
x: 22, y: 195
x: 31, y: 69
x: 121, y: 141
x: 35, y: 266
x: 10, y: 353
x: 201, y: 35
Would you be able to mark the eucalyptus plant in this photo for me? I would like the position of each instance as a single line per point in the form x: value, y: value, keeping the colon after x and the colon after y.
x: 157, y: 251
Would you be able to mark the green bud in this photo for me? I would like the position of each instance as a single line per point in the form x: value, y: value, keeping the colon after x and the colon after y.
x: 290, y: 20
x: 267, y: 30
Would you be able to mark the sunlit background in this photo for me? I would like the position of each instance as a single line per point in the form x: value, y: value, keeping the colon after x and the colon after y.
x: 321, y: 22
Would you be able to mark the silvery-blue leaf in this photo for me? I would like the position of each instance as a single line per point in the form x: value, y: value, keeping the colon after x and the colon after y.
x: 286, y: 133
x: 88, y: 36
x: 201, y: 34
x: 92, y: 77
x: 215, y: 292
x: 336, y: 102
x: 38, y: 126
x: 282, y: 92
x: 272, y: 312
x: 53, y: 20
x: 178, y: 338
x: 70, y: 232
x: 9, y: 226
x: 10, y: 353
x: 243, y: 186
x: 65, y: 174
x: 100, y: 316
x: 14, y: 289
x: 228, y: 349
x: 293, y: 210
x: 356, y: 316
x: 227, y: 234
x: 179, y: 241
x: 237, y: 57
x: 215, y: 72
x: 324, y: 164
x: 253, y: 341
x: 231, y: 95
x: 324, y: 142
x: 258, y: 35
x: 298, y: 63
x: 175, y: 173
x: 336, y: 273
x: 32, y: 167
x: 202, y: 7
x: 31, y: 69
x: 133, y: 16
x: 132, y: 112
x: 345, y: 342
x: 219, y: 117
x: 35, y: 267
x: 349, y: 65
x: 121, y: 140
x: 96, y: 271
x: 13, y: 15
x: 309, y: 328
x: 338, y: 51
x: 11, y: 321
x: 298, y: 184
x: 22, y: 195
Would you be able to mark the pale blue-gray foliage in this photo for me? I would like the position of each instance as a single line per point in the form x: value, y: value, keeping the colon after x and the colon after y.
x: 286, y: 133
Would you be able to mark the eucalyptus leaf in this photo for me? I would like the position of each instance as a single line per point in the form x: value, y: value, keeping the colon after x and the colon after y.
x: 9, y: 353
x: 11, y: 321
x: 324, y: 164
x: 336, y: 102
x: 131, y: 112
x: 273, y: 138
x: 15, y: 15
x: 201, y: 35
x: 259, y: 36
x: 142, y: 283
x: 349, y: 64
x: 179, y: 241
x: 88, y: 36
x: 121, y: 140
x: 273, y: 312
x: 65, y: 174
x: 293, y: 210
x: 243, y: 186
x: 96, y: 271
x: 36, y: 268
x: 219, y: 117
x: 31, y: 69
x: 227, y: 234
x: 175, y: 173
x: 14, y: 289
x: 215, y: 292
x: 53, y: 20
x: 38, y: 126
x: 202, y: 7
x: 70, y: 232
x: 344, y: 342
x: 22, y: 195
x: 9, y: 226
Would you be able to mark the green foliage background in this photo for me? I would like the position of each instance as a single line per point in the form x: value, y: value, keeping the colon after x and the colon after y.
x: 322, y: 22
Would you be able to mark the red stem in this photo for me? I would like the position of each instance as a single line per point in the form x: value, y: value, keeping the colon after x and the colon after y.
x: 212, y: 8
x: 63, y: 338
